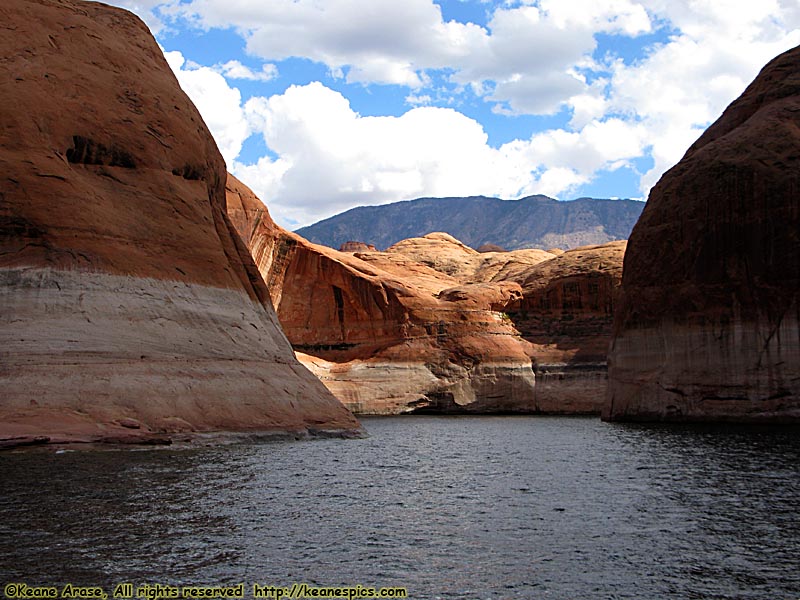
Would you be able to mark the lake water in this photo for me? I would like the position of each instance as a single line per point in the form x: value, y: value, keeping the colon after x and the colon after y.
x: 448, y: 507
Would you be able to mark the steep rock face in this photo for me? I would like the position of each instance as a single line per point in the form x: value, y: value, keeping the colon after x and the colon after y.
x: 566, y: 313
x: 565, y: 309
x: 707, y: 326
x: 432, y: 325
x: 130, y: 305
x: 385, y: 333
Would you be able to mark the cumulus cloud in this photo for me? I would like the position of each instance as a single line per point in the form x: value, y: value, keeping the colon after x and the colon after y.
x: 526, y: 56
x: 331, y: 158
x: 682, y: 86
x: 233, y: 69
x: 525, y: 53
x: 530, y: 57
x: 219, y: 104
x: 370, y: 38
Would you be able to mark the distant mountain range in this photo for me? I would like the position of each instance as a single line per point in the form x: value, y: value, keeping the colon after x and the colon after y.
x: 532, y: 222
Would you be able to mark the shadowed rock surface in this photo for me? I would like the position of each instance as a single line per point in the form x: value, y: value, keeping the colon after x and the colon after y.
x: 130, y: 305
x: 566, y: 313
x: 430, y: 324
x: 490, y: 248
x: 707, y: 324
x: 532, y: 222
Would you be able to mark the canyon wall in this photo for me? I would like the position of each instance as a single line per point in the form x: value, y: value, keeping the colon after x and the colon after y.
x: 130, y: 305
x: 707, y: 323
x: 566, y: 313
x: 431, y: 325
x: 375, y: 331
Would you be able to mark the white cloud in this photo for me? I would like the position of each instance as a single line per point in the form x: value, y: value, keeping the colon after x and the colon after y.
x: 233, y: 69
x: 526, y: 53
x: 589, y: 105
x: 418, y: 100
x: 331, y: 158
x: 532, y: 51
x: 372, y: 38
x: 531, y: 57
x: 558, y: 179
x: 384, y: 70
x: 563, y: 160
x: 609, y: 16
x: 685, y: 84
x: 218, y: 103
x: 533, y: 94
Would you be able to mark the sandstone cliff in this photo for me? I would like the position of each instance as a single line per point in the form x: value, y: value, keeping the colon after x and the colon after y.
x: 431, y: 325
x: 563, y: 308
x: 707, y: 326
x: 566, y: 313
x: 130, y: 305
x: 374, y: 330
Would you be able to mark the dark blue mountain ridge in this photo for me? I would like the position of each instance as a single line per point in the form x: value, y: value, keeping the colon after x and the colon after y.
x: 530, y: 222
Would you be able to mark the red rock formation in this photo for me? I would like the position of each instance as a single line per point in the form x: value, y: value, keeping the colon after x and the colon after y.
x: 431, y: 324
x: 566, y: 313
x: 442, y: 252
x: 357, y: 247
x: 385, y: 333
x: 130, y: 305
x: 491, y: 248
x: 707, y: 327
x: 563, y: 308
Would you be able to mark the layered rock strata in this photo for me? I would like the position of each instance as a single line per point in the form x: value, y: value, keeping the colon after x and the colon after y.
x: 707, y: 325
x: 376, y: 331
x: 432, y: 325
x: 130, y: 305
x: 566, y: 313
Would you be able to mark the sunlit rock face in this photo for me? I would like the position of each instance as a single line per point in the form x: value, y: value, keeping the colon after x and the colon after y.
x: 379, y: 329
x: 130, y: 306
x: 432, y: 325
x: 707, y: 323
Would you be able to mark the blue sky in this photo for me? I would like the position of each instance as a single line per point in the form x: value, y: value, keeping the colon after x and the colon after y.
x: 322, y: 105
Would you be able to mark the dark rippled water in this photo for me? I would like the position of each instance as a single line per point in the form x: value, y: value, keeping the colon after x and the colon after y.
x: 458, y: 507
